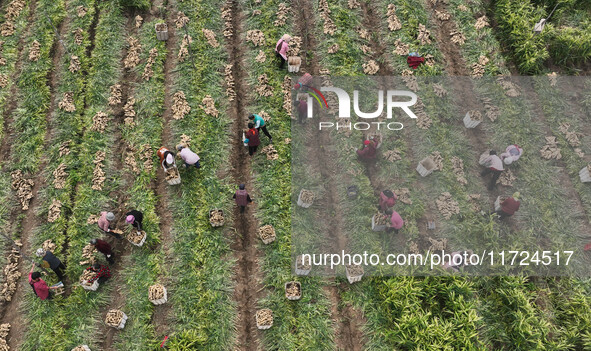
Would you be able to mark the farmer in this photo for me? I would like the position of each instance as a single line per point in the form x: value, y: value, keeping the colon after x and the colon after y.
x: 39, y: 286
x: 512, y: 153
x: 281, y: 49
x: 509, y: 206
x: 387, y: 200
x: 493, y: 165
x: 302, y: 107
x: 102, y: 273
x: 189, y: 157
x: 396, y: 221
x: 104, y: 248
x: 166, y: 158
x: 135, y: 218
x: 50, y: 261
x: 104, y: 223
x: 242, y: 198
x: 259, y: 124
x: 368, y: 152
x: 252, y: 136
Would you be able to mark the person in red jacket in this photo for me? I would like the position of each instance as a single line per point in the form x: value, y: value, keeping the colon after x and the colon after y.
x: 369, y: 151
x: 242, y: 198
x: 39, y: 286
x: 104, y: 248
x: 253, y: 139
x: 509, y: 206
x: 387, y: 200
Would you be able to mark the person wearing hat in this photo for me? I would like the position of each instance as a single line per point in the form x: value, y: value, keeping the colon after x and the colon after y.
x: 259, y: 124
x: 368, y: 152
x: 39, y: 286
x: 302, y: 108
x: 242, y: 198
x: 50, y: 261
x: 512, y: 153
x: 189, y: 157
x: 396, y: 221
x: 281, y: 49
x: 104, y: 248
x: 509, y: 206
x: 104, y: 222
x: 102, y: 273
x: 252, y: 135
x: 166, y: 158
x: 135, y: 218
x: 494, y: 165
x: 387, y: 200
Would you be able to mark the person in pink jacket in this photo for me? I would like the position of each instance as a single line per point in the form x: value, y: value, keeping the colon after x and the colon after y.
x: 387, y: 200
x: 494, y: 165
x: 104, y: 222
x: 512, y: 153
x: 281, y: 49
x: 396, y: 221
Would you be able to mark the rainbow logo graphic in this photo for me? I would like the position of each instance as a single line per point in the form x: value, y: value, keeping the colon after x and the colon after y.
x: 315, y: 93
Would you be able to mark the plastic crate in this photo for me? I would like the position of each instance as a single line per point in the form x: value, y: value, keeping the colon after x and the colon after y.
x: 300, y: 271
x: 263, y: 327
x: 352, y: 278
x: 161, y: 34
x: 375, y: 227
x: 469, y: 122
x: 584, y: 175
x: 218, y: 224
x: 426, y: 166
x: 293, y: 298
x: 141, y: 241
x: 301, y: 203
x: 162, y: 300
x: 91, y: 287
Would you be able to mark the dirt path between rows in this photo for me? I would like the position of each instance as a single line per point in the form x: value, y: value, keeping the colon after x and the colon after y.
x: 347, y: 320
x: 31, y: 221
x: 378, y: 48
x: 247, y: 275
x: 161, y: 316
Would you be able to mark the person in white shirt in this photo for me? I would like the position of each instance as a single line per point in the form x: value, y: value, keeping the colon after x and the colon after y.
x: 189, y: 157
x: 493, y: 165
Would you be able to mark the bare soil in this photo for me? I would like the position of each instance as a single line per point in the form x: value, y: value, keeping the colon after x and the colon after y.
x: 374, y: 26
x: 455, y: 65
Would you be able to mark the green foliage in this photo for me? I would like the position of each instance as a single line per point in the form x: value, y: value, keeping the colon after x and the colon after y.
x: 136, y: 4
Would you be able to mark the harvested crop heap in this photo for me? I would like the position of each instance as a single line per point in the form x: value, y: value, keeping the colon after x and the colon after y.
x: 4, y: 329
x: 270, y: 151
x: 281, y: 15
x: 48, y: 245
x: 23, y: 187
x: 12, y: 12
x: 130, y: 159
x: 473, y: 200
x: 551, y: 150
x: 507, y: 178
x: 475, y: 115
x: 261, y: 57
x: 35, y: 51
x: 64, y: 148
x: 156, y: 292
x: 380, y: 219
x: 439, y: 90
x: 392, y: 155
x: 355, y: 270
x: 209, y: 106
x: 263, y: 88
x: 458, y: 170
x: 442, y: 15
x: 353, y: 4
x: 423, y: 121
x: 457, y: 37
x: 478, y: 68
x: 11, y: 274
x: 116, y: 95
x: 3, y: 80
x: 287, y: 140
x: 423, y: 35
x: 85, y: 276
x: 129, y: 112
x: 227, y: 17
x: 511, y: 89
x: 307, y: 196
x: 185, y: 140
x: 172, y: 173
x: 371, y: 67
x: 229, y: 78
x: 184, y: 49
x: 492, y: 112
x: 295, y: 46
x: 403, y: 195
x: 210, y: 36
x: 88, y: 253
x: 267, y: 232
x: 181, y: 20
x: 134, y: 237
x: 481, y: 22
x: 81, y: 348
x: 401, y: 48
x: 553, y: 78
x: 99, y: 122
x: 264, y: 317
x: 571, y: 137
x: 329, y: 27
x: 78, y: 37
x: 447, y: 206
x: 74, y: 64
x: 81, y: 11
x: 138, y: 21
x: 393, y: 21
x: 366, y: 50
x: 300, y: 263
x: 133, y: 53
x: 148, y: 70
x: 413, y: 247
x: 114, y: 318
x: 333, y: 49
x: 98, y: 174
x: 54, y: 211
x: 438, y: 160
x: 437, y: 245
x: 147, y: 158
x: 286, y: 91
x: 363, y: 33
x: 7, y: 29
x: 180, y: 107
x: 67, y: 103
x: 255, y: 36
x: 216, y: 218
x: 410, y: 80
x: 59, y: 176
x: 293, y: 289
x: 92, y: 219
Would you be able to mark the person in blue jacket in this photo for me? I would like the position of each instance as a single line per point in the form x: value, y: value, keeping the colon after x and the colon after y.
x: 259, y: 124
